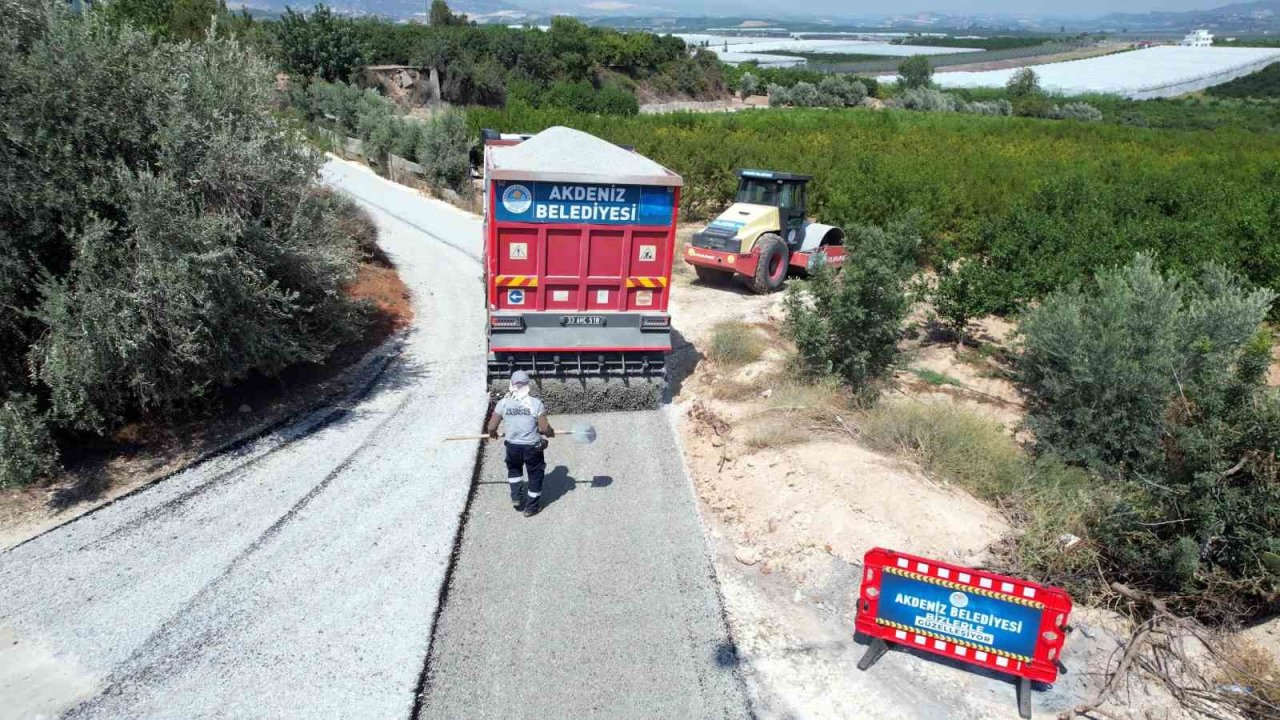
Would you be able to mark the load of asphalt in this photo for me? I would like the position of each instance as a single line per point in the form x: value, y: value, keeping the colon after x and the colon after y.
x: 565, y: 152
x: 603, y: 605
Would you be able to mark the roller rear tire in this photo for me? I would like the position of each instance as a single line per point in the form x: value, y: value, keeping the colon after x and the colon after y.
x: 771, y: 266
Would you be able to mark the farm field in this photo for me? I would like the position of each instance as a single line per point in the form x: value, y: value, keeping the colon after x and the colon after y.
x: 1046, y: 201
x: 1263, y: 84
x: 1152, y: 72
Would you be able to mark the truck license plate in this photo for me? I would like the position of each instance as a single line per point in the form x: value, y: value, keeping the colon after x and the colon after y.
x: 582, y: 320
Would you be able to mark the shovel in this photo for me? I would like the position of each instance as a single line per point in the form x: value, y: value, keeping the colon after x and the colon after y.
x: 584, y: 433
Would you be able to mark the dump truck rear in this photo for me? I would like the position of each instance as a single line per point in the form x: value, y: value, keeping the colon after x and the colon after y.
x: 579, y: 242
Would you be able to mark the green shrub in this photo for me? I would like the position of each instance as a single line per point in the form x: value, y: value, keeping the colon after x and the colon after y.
x: 405, y: 136
x: 1102, y: 367
x: 925, y: 99
x: 1000, y: 107
x: 375, y: 120
x: 443, y: 147
x: 317, y: 44
x: 1157, y: 383
x: 935, y: 378
x: 27, y: 452
x: 871, y: 84
x: 337, y: 103
x: 1084, y: 112
x: 841, y: 91
x: 613, y: 99
x: 1023, y: 83
x: 1263, y: 83
x: 961, y: 294
x: 804, y: 94
x: 747, y: 85
x: 848, y: 326
x: 779, y: 96
x: 1035, y: 106
x: 915, y: 72
x: 735, y: 343
x: 164, y: 236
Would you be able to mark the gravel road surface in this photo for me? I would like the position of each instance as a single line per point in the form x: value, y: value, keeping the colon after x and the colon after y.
x: 299, y: 576
x: 295, y: 577
x: 603, y: 605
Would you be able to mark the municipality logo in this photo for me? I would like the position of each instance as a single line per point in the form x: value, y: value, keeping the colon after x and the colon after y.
x: 959, y: 599
x: 517, y: 199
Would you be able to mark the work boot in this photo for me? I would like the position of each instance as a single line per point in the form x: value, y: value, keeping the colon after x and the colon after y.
x: 531, y: 506
x: 517, y: 495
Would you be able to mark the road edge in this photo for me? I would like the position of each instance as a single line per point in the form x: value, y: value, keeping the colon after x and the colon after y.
x: 673, y: 412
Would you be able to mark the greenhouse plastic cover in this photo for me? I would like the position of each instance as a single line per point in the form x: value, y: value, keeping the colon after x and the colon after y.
x: 1153, y: 72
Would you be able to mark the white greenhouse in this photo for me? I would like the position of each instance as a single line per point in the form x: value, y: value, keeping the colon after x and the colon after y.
x: 1163, y: 71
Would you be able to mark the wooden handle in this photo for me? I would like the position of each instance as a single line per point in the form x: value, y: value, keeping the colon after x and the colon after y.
x: 482, y: 437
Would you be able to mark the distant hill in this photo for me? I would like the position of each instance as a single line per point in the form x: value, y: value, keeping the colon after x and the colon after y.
x: 1257, y: 17
x: 396, y: 9
x: 1261, y: 16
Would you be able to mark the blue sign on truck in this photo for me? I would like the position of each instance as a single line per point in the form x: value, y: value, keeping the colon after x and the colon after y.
x: 577, y: 203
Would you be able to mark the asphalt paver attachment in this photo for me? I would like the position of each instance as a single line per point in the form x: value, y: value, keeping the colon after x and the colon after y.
x: 564, y: 396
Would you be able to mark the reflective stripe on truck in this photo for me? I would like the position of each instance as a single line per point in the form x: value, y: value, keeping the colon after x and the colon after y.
x: 516, y: 281
x: 646, y: 282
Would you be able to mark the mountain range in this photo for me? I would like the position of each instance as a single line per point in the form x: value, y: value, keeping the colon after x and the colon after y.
x: 1248, y: 17
x: 1256, y: 17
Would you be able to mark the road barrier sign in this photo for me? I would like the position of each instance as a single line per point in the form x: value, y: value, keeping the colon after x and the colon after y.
x: 1001, y: 623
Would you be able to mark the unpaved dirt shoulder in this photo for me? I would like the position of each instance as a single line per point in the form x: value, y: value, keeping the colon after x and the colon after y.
x: 789, y: 521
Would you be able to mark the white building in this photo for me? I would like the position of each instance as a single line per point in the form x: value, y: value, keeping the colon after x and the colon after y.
x: 1199, y: 38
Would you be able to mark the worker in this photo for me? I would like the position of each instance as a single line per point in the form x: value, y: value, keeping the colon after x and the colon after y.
x: 527, y: 433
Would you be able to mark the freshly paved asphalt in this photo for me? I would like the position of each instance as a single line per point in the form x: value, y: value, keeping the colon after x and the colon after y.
x: 601, y: 606
x: 300, y: 576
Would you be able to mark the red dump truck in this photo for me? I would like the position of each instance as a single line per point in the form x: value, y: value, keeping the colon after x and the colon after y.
x: 579, y: 241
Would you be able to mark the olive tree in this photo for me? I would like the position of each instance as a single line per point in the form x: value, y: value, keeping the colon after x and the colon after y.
x: 915, y: 72
x: 163, y: 230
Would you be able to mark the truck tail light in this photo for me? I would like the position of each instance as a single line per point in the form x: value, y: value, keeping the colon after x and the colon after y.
x: 655, y: 322
x: 506, y: 322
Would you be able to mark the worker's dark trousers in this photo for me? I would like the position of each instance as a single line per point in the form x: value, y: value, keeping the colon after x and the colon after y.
x: 519, y: 458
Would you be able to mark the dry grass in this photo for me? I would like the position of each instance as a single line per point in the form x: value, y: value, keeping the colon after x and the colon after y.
x: 764, y: 435
x: 735, y: 343
x: 1248, y: 666
x: 731, y: 390
x: 796, y: 412
x: 948, y: 442
x: 1045, y: 498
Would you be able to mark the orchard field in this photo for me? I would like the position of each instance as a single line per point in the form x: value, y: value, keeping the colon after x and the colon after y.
x: 1044, y: 202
